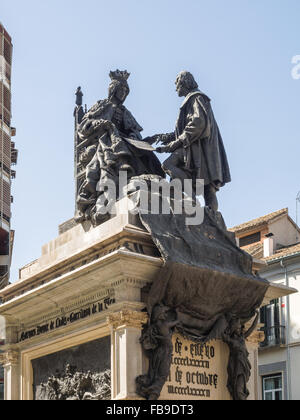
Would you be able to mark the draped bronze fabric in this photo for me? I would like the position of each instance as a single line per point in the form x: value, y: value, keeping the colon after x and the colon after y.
x: 205, y: 274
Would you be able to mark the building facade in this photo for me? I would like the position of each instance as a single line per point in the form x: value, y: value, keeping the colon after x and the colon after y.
x: 8, y: 155
x: 273, y: 241
x: 8, y: 158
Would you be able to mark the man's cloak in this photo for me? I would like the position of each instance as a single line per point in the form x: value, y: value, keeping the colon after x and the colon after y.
x: 197, y: 128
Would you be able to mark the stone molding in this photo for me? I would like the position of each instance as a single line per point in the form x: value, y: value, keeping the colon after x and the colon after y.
x: 127, y: 282
x: 70, y: 306
x: 9, y: 358
x: 256, y: 338
x: 127, y: 318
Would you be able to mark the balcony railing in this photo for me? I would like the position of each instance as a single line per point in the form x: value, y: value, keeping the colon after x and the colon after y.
x: 274, y: 336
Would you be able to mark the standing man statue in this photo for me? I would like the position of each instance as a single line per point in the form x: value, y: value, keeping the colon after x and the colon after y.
x: 196, y: 147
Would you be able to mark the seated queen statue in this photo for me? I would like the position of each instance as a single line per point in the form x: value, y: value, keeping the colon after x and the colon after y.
x: 111, y: 142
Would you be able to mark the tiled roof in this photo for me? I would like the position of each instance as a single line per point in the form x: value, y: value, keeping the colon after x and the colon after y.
x: 260, y: 221
x: 284, y: 252
x: 255, y: 250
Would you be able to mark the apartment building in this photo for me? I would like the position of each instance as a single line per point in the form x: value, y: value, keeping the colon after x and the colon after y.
x: 274, y: 242
x: 8, y: 156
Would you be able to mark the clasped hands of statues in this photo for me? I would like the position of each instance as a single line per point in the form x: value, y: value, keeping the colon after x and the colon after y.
x: 170, y: 148
x: 170, y: 143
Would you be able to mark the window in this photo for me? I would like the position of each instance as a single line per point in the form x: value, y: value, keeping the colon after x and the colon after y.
x: 271, y: 317
x: 250, y: 239
x: 272, y: 387
x: 7, y: 51
x: 7, y: 98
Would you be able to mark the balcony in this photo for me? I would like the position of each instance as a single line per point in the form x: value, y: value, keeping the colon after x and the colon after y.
x: 14, y: 154
x: 274, y: 336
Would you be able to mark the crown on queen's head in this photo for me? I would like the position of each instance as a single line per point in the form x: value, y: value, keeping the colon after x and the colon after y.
x: 119, y: 75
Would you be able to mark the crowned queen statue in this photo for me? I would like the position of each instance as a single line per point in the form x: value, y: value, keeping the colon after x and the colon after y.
x: 112, y: 143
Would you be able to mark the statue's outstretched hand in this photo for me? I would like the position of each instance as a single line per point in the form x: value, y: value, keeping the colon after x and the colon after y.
x: 165, y: 139
x: 153, y: 139
x: 171, y: 147
x: 161, y: 150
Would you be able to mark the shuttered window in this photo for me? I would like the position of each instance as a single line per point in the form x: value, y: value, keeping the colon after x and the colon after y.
x: 6, y: 117
x: 6, y: 98
x: 8, y: 72
x: 1, y: 44
x: 5, y: 104
x: 6, y: 198
x: 6, y: 145
x: 5, y: 149
x: 250, y: 239
x: 7, y: 51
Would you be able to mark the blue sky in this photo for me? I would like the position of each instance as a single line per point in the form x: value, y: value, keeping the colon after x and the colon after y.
x: 240, y: 52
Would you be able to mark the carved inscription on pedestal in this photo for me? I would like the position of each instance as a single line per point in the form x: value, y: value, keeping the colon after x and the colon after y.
x: 198, y: 372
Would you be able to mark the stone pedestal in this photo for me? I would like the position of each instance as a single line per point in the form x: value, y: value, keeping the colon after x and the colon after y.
x: 126, y: 352
x: 91, y: 284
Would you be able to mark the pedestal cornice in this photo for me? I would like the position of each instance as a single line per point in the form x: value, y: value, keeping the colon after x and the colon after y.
x: 9, y: 358
x: 127, y: 318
